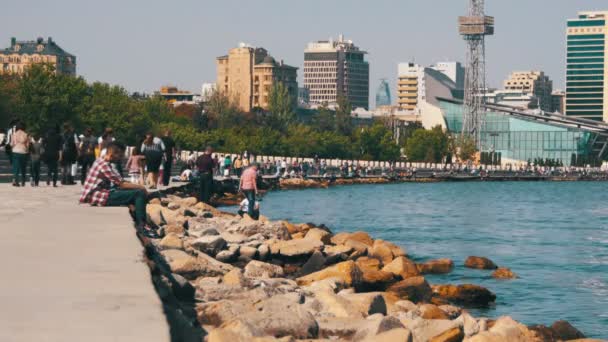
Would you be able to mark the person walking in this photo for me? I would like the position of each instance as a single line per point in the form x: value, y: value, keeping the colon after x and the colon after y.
x: 8, y: 149
x: 104, y: 187
x: 135, y: 166
x: 51, y: 145
x: 169, y: 156
x: 205, y: 165
x: 227, y: 164
x: 238, y: 166
x: 248, y: 185
x: 153, y: 148
x: 87, y: 147
x: 35, y: 156
x: 20, y: 145
x: 69, y: 154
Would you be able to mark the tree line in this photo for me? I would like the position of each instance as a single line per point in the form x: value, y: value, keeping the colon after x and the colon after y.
x: 43, y: 99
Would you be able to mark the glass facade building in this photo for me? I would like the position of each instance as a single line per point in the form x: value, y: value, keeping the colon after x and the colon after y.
x: 586, y: 72
x: 523, y: 140
x: 383, y: 94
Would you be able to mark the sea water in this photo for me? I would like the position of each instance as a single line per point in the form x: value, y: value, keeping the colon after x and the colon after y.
x: 553, y: 235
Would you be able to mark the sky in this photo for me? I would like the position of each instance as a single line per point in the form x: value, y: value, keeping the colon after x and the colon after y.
x: 143, y: 45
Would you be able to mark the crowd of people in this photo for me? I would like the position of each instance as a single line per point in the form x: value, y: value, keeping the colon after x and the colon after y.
x: 68, y: 155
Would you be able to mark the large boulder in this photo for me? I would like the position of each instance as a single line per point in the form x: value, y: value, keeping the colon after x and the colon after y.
x: 353, y: 305
x: 431, y: 311
x: 467, y: 294
x: 296, y: 248
x: 258, y: 269
x: 376, y: 326
x: 480, y: 263
x: 266, y: 229
x: 503, y: 273
x: 439, y: 266
x: 190, y: 266
x: 453, y: 335
x: 362, y: 237
x: 209, y: 244
x: 313, y: 264
x: 319, y: 234
x: 504, y: 329
x: 343, y: 328
x: 402, y: 267
x: 414, y: 289
x: 385, y: 251
x: 159, y: 215
x: 368, y: 303
x: 171, y: 241
x: 565, y: 331
x: 393, y: 335
x: 423, y: 330
x: 347, y: 272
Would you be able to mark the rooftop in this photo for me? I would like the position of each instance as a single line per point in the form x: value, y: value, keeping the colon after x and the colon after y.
x: 38, y: 46
x: 332, y: 45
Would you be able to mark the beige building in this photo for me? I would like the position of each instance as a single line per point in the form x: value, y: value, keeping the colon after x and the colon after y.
x: 248, y: 74
x: 22, y: 54
x: 417, y: 84
x: 532, y: 82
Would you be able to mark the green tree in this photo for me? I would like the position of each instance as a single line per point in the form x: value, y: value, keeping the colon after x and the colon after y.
x: 465, y: 147
x: 427, y: 145
x: 222, y: 111
x: 47, y: 99
x: 377, y: 143
x: 324, y: 119
x: 343, y: 120
x: 280, y: 107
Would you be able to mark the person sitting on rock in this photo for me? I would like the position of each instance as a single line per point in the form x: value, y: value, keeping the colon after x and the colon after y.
x: 105, y: 187
x: 244, y: 208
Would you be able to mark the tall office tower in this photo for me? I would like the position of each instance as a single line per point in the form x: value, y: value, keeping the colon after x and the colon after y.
x: 532, y: 82
x: 586, y: 75
x: 383, y: 94
x: 417, y: 85
x: 336, y: 68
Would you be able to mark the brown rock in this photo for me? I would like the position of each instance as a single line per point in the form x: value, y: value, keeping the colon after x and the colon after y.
x: 503, y: 273
x: 430, y: 311
x: 234, y: 277
x: 258, y: 269
x: 439, y: 266
x: 171, y: 241
x: 362, y: 237
x: 402, y: 267
x: 313, y: 264
x: 565, y: 331
x: 297, y: 236
x: 452, y: 335
x: 357, y: 246
x: 480, y: 263
x: 319, y: 234
x: 367, y: 263
x: 393, y: 335
x: 339, y: 327
x: 382, y: 251
x: 189, y: 266
x: 297, y: 248
x: 415, y: 289
x: 467, y: 294
x: 174, y: 228
x: 346, y: 271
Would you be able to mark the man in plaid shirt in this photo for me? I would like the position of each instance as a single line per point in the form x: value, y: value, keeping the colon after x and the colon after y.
x: 105, y: 187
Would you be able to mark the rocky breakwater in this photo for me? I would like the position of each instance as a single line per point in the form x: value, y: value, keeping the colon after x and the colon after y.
x: 315, y: 183
x: 246, y: 280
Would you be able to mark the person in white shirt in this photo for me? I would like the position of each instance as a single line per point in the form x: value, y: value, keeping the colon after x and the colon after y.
x: 244, y: 206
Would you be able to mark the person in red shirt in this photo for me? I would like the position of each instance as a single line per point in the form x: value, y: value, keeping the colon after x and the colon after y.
x: 248, y: 185
x: 105, y: 187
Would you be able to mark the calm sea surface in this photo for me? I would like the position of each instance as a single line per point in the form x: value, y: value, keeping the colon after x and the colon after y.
x: 553, y: 235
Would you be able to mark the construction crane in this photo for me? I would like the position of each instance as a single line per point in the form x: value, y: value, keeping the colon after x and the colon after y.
x: 474, y: 28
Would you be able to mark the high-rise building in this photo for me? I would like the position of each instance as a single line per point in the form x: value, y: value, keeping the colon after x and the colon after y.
x: 417, y: 85
x: 534, y: 83
x: 587, y: 74
x: 383, y: 94
x: 247, y: 74
x: 22, y: 54
x: 336, y: 68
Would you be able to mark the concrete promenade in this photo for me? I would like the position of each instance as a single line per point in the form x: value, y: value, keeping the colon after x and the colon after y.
x: 72, y: 272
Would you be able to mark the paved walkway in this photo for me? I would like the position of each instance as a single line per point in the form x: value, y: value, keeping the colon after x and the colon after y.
x: 71, y: 272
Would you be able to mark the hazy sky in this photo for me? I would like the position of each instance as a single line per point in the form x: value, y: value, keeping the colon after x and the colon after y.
x: 145, y: 44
